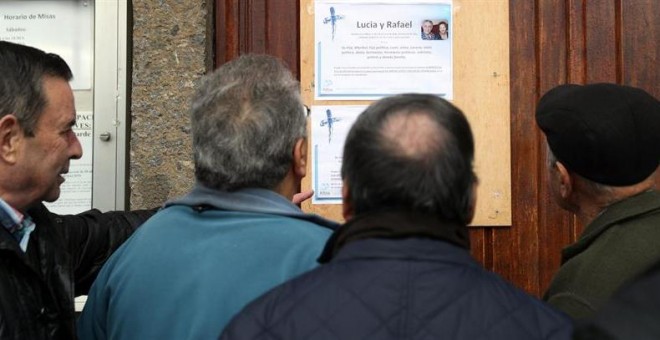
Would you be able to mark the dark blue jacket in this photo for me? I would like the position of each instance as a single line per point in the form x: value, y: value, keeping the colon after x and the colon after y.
x: 398, y: 288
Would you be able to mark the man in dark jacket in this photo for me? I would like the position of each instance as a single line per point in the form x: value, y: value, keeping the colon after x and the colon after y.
x: 604, y: 150
x: 632, y: 313
x: 45, y: 259
x: 400, y: 268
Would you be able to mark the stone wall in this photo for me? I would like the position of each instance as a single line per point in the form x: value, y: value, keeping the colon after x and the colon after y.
x: 170, y: 52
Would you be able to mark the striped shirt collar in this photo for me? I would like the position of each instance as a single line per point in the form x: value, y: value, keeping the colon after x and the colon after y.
x: 19, y: 225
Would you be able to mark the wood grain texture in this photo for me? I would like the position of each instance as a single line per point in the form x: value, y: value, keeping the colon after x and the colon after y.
x: 601, y: 45
x: 555, y: 42
x: 640, y: 47
x: 555, y: 225
x: 515, y: 251
x: 258, y: 26
x: 640, y: 44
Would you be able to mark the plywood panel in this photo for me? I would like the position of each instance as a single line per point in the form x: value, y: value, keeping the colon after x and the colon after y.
x: 481, y: 90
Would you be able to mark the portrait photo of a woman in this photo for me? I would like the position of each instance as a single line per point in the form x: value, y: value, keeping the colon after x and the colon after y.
x: 443, y: 31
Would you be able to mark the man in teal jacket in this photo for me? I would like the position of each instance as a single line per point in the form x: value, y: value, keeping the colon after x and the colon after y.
x: 604, y: 151
x: 187, y: 271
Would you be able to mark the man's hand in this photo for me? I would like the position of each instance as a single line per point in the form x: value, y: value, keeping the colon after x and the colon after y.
x: 302, y: 196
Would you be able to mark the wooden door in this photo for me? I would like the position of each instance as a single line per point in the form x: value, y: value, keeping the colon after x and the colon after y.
x: 258, y: 26
x: 555, y: 42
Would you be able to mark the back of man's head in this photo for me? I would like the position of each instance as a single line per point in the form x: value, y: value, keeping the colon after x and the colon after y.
x: 246, y: 119
x: 22, y: 69
x: 606, y: 133
x: 411, y: 152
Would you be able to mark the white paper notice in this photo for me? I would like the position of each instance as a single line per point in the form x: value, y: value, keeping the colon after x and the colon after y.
x: 63, y: 27
x: 366, y: 50
x: 76, y: 191
x: 330, y: 125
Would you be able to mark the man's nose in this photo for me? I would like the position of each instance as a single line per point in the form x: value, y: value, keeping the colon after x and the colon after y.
x: 75, y: 148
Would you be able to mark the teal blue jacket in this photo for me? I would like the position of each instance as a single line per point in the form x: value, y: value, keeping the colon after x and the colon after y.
x: 197, y: 262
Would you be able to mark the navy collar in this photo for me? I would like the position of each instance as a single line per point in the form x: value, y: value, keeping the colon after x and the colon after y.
x: 395, y: 225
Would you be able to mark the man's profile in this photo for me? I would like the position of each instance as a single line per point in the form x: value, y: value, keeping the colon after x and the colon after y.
x: 45, y: 259
x: 603, y: 154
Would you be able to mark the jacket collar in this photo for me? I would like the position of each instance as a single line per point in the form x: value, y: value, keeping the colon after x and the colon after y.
x: 628, y: 208
x: 253, y: 200
x: 395, y: 225
x: 41, y: 254
x: 8, y: 242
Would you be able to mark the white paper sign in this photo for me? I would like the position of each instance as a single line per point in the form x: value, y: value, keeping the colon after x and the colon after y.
x: 366, y: 50
x: 330, y: 126
x: 63, y: 27
x: 76, y: 191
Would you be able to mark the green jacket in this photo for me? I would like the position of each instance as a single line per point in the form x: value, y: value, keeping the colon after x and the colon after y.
x: 614, y: 248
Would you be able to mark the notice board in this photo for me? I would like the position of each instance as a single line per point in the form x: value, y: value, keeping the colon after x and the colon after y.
x: 477, y: 75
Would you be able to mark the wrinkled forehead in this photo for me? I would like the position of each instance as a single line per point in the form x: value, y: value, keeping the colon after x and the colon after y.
x: 59, y: 102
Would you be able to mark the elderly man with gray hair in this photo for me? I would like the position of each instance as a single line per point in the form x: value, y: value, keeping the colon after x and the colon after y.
x: 604, y: 151
x: 199, y: 260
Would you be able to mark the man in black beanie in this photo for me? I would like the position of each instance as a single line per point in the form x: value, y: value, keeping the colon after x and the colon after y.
x: 603, y: 155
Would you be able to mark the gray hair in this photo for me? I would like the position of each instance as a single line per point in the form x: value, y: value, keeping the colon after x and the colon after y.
x: 604, y: 191
x: 22, y: 70
x: 246, y: 119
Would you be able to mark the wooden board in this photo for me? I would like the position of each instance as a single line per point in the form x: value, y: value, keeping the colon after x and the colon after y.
x: 481, y: 90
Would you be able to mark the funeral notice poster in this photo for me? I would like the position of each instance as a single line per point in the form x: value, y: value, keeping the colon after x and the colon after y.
x: 365, y: 50
x: 330, y: 126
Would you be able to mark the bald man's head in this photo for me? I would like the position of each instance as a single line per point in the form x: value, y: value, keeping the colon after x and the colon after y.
x: 411, y: 152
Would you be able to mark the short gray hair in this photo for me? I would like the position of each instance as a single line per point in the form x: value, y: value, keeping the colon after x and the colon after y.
x: 246, y: 119
x: 595, y: 189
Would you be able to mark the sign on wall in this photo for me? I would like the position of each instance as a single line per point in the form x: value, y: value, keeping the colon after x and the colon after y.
x: 64, y: 27
x: 366, y: 50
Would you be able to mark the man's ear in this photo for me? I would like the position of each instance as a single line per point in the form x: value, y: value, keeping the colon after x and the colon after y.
x: 11, y: 135
x: 300, y: 158
x: 565, y: 180
x: 346, y: 205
